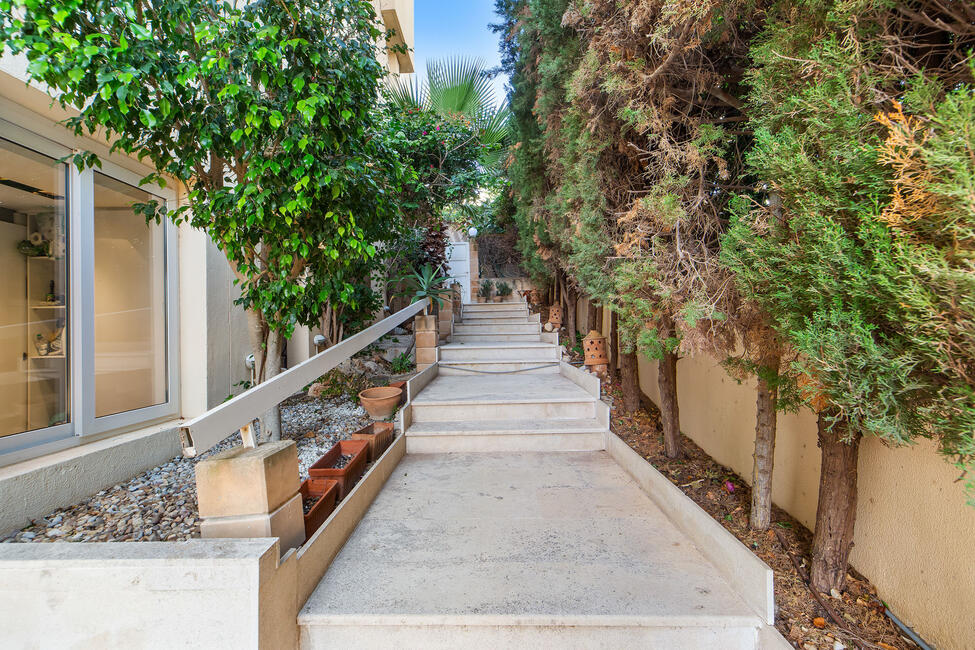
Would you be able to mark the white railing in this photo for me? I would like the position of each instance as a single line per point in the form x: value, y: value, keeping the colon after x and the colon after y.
x: 203, y: 432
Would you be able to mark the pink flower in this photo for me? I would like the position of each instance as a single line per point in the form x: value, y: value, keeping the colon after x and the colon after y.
x: 438, y: 128
x: 728, y: 485
x: 424, y: 133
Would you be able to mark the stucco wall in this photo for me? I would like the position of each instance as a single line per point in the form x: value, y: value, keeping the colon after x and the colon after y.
x: 915, y: 535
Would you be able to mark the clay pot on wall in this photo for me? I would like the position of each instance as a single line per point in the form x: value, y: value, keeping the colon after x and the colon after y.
x: 379, y: 435
x: 346, y: 476
x: 380, y: 403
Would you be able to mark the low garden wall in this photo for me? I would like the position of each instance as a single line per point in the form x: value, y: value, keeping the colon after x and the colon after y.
x: 915, y: 534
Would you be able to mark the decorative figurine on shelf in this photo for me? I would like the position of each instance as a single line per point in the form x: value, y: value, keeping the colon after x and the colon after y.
x: 30, y: 250
x: 42, y: 345
x: 51, y: 298
x: 55, y: 342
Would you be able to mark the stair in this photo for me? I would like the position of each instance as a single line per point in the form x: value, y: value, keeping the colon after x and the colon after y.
x: 499, y: 388
x: 485, y: 537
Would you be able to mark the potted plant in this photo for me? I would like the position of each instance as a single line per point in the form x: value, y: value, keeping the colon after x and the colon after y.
x: 343, y: 463
x: 380, y: 403
x: 427, y: 282
x: 379, y: 435
x: 485, y: 290
x: 318, y: 497
x: 504, y: 290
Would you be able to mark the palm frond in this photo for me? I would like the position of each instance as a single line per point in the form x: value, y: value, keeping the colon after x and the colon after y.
x: 409, y: 93
x: 459, y: 86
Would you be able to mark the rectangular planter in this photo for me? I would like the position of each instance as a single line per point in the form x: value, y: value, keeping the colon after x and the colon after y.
x: 402, y: 399
x: 379, y: 435
x: 327, y: 492
x: 348, y: 475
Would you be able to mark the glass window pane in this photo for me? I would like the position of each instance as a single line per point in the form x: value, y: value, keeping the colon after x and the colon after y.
x: 130, y: 302
x: 34, y: 291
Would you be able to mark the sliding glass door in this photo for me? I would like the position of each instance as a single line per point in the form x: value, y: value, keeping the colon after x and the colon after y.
x: 87, y: 299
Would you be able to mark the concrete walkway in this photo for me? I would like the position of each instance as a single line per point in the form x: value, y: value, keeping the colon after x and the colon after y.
x: 554, y: 549
x: 521, y: 544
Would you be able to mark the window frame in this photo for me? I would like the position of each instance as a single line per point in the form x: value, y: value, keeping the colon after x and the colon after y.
x: 82, y: 425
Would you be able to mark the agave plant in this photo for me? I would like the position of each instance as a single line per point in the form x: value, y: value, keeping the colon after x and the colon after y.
x: 427, y: 282
x: 459, y: 86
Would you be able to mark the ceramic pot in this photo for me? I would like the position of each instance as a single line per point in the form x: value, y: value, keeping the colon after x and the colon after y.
x: 380, y: 402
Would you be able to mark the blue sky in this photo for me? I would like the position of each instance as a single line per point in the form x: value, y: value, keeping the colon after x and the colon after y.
x: 444, y: 28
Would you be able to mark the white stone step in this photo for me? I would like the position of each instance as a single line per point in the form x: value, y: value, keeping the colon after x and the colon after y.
x: 459, y: 411
x: 500, y: 351
x: 538, y: 633
x: 475, y: 319
x: 502, y: 397
x: 473, y: 368
x: 493, y: 316
x: 505, y: 435
x: 493, y: 306
x: 499, y: 328
x: 493, y: 336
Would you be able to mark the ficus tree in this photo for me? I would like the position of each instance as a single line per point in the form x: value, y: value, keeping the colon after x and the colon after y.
x: 263, y: 110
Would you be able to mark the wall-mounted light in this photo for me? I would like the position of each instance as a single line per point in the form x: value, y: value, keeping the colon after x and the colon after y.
x: 319, y: 341
x: 472, y: 231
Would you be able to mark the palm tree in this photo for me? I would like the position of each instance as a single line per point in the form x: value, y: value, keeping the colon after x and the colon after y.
x: 460, y: 86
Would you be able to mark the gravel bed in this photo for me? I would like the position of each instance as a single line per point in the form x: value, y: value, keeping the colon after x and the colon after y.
x: 160, y: 504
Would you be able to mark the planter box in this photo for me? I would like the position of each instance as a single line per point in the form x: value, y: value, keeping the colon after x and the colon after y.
x: 379, y: 435
x: 327, y: 492
x: 347, y: 476
x: 401, y: 385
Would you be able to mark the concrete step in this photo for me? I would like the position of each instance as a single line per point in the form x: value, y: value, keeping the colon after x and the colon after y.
x: 505, y: 435
x: 499, y: 328
x: 502, y: 397
x: 494, y: 351
x: 539, y: 632
x: 472, y: 368
x: 517, y: 320
x: 493, y: 306
x: 492, y: 336
x: 458, y: 411
x: 493, y: 315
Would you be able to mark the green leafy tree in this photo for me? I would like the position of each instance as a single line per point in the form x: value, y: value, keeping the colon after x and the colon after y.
x: 264, y: 110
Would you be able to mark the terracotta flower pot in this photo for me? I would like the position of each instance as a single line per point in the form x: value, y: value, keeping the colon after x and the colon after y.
x: 347, y: 476
x: 379, y: 435
x: 322, y: 494
x: 499, y: 299
x: 380, y: 402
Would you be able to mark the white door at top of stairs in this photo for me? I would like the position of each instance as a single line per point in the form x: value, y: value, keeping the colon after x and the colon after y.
x: 459, y: 266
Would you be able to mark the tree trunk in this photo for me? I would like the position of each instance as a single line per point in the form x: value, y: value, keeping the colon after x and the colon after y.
x: 669, y: 413
x: 630, y: 380
x: 837, y: 508
x: 266, y: 346
x: 271, y: 420
x: 765, y: 406
x: 592, y: 313
x: 614, y: 344
x: 571, y: 298
x: 600, y: 315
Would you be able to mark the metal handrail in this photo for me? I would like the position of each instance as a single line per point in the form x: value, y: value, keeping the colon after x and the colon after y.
x: 203, y: 432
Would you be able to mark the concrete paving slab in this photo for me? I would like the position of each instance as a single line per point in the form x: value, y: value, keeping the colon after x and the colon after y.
x: 522, y: 539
